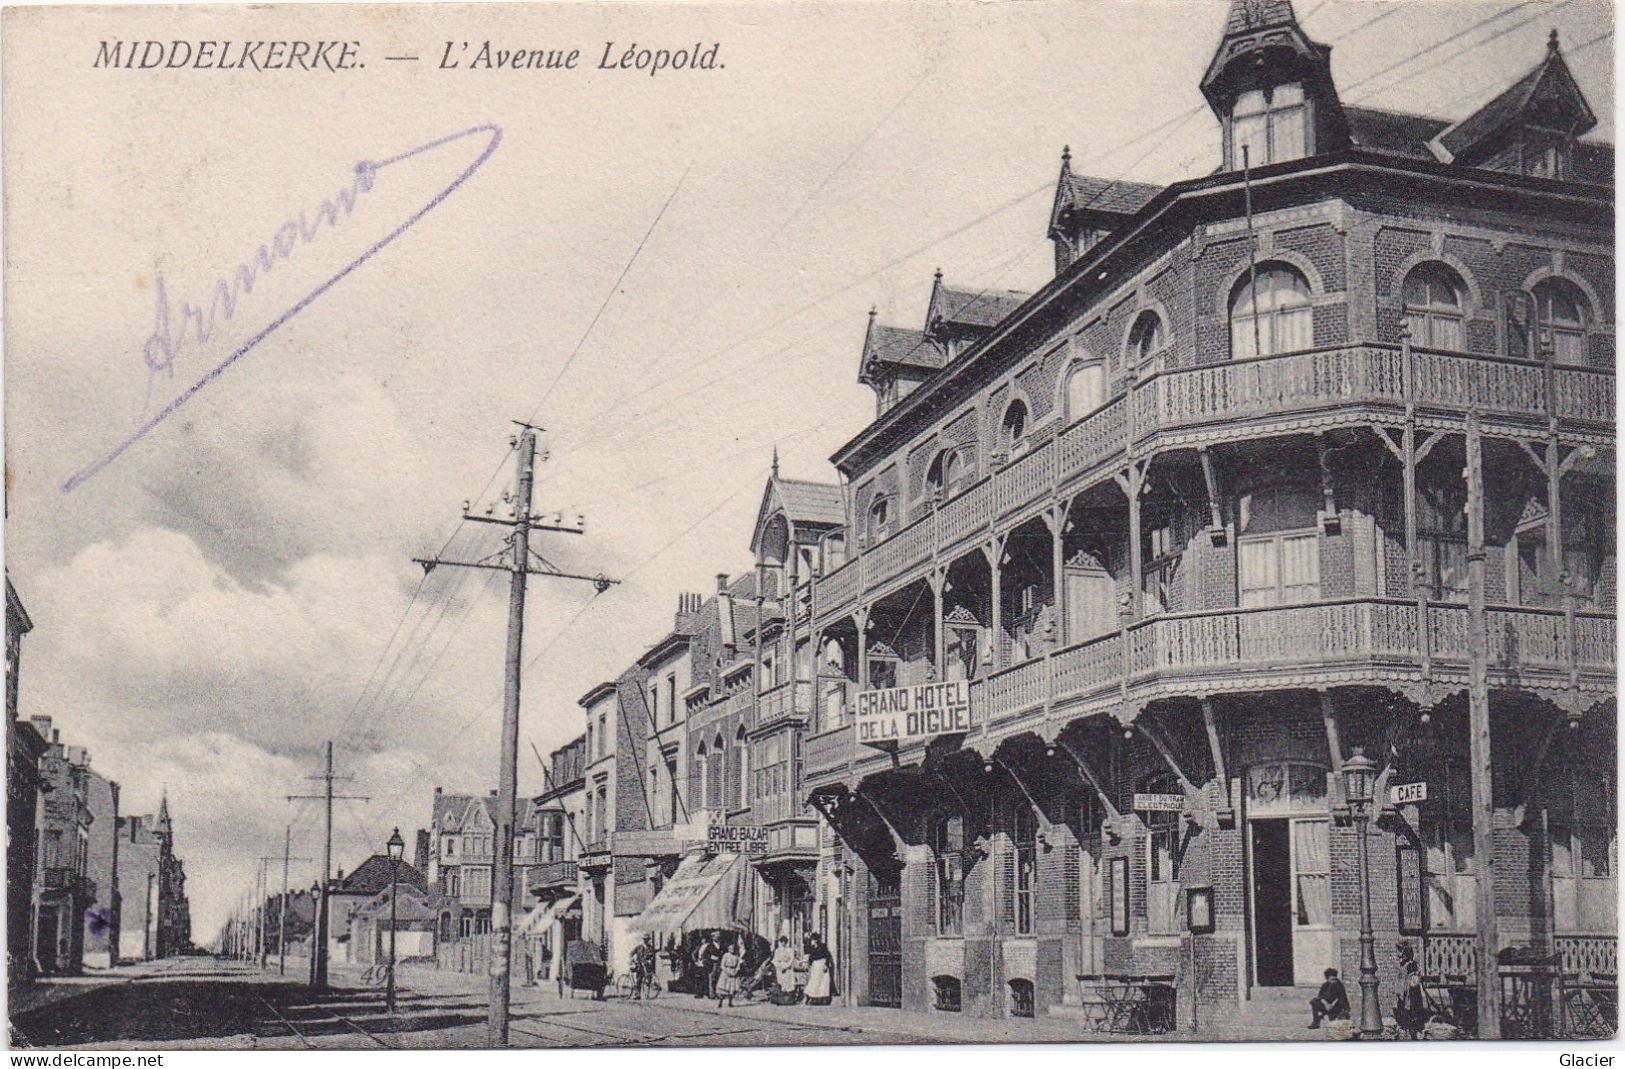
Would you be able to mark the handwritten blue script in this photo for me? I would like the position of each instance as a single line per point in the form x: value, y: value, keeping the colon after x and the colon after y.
x: 195, y: 325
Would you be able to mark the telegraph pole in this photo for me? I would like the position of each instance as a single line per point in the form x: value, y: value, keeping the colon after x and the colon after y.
x: 282, y: 909
x: 1478, y: 730
x: 318, y: 953
x: 518, y: 565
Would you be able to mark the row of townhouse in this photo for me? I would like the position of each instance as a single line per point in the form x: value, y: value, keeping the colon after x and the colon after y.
x: 1063, y: 676
x: 84, y: 885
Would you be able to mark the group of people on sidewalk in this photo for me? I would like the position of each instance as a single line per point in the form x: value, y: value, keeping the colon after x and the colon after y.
x: 1410, y: 1013
x: 787, y: 975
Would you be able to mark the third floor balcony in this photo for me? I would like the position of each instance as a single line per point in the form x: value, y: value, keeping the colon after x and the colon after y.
x: 1289, y: 393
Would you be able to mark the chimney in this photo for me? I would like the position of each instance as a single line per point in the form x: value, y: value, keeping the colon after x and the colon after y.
x: 722, y: 582
x: 688, y: 606
x: 420, y: 856
x: 437, y: 792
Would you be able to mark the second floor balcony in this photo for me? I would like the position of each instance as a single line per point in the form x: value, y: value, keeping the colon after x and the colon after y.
x: 1403, y: 645
x: 785, y: 701
x: 551, y: 876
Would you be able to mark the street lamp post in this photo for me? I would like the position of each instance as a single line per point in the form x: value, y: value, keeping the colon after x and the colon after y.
x: 397, y: 848
x: 1359, y: 783
x: 315, y: 904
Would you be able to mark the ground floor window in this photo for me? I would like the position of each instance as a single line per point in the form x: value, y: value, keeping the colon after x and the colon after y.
x: 948, y: 875
x: 1584, y: 851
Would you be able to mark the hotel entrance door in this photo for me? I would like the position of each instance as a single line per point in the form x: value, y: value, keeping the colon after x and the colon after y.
x: 1289, y: 868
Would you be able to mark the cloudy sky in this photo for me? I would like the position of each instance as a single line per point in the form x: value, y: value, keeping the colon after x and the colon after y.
x: 236, y: 586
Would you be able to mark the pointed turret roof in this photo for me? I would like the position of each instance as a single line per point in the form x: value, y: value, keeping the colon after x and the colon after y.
x: 163, y: 825
x: 1265, y: 33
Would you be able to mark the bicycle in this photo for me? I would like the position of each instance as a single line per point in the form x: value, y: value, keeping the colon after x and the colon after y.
x: 629, y: 986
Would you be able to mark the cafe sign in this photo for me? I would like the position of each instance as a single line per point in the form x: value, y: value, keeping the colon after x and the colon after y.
x: 923, y: 711
x: 1408, y: 793
x: 737, y: 839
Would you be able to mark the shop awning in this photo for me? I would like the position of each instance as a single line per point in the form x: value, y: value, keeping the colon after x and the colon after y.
x: 539, y: 920
x: 702, y: 893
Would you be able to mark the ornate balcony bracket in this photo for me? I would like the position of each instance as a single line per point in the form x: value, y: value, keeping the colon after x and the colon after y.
x: 1087, y: 771
x: 1533, y: 769
x: 1226, y: 813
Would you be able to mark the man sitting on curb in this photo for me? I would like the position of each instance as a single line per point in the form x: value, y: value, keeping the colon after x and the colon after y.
x: 1332, y: 1003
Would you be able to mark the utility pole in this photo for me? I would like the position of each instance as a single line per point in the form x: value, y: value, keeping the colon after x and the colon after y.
x: 518, y: 564
x: 1478, y: 729
x: 259, y: 916
x: 282, y: 908
x: 318, y: 953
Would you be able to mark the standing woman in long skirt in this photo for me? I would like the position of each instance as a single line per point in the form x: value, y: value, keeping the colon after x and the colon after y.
x: 820, y: 969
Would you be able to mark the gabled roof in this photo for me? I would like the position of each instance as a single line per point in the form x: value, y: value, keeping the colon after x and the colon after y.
x: 1547, y: 92
x: 898, y: 347
x: 808, y: 506
x: 1082, y: 194
x: 975, y: 309
x: 372, y: 876
x: 453, y: 812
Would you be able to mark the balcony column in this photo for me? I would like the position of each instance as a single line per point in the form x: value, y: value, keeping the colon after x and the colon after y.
x: 993, y: 550
x: 860, y: 617
x: 1132, y: 482
x: 939, y: 644
x: 1055, y: 520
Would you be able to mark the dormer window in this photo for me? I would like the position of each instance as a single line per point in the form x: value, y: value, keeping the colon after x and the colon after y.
x: 1271, y: 124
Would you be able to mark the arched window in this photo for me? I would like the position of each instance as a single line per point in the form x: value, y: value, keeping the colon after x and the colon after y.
x: 1271, y: 124
x: 1013, y: 428
x: 715, y: 775
x: 1278, y: 547
x: 1271, y: 314
x: 696, y: 779
x: 881, y: 519
x: 738, y: 770
x: 946, y: 474
x: 1085, y: 390
x: 1435, y: 297
x: 1146, y: 339
x: 1563, y: 314
x: 947, y: 840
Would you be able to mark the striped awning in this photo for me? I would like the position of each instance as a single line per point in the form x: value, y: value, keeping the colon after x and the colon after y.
x: 703, y: 893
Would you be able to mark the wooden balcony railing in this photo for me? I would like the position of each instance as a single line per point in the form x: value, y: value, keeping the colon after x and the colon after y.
x: 550, y: 874
x: 1193, y: 398
x: 1025, y: 479
x: 1094, y: 439
x: 785, y: 700
x: 908, y: 547
x: 1273, y: 646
